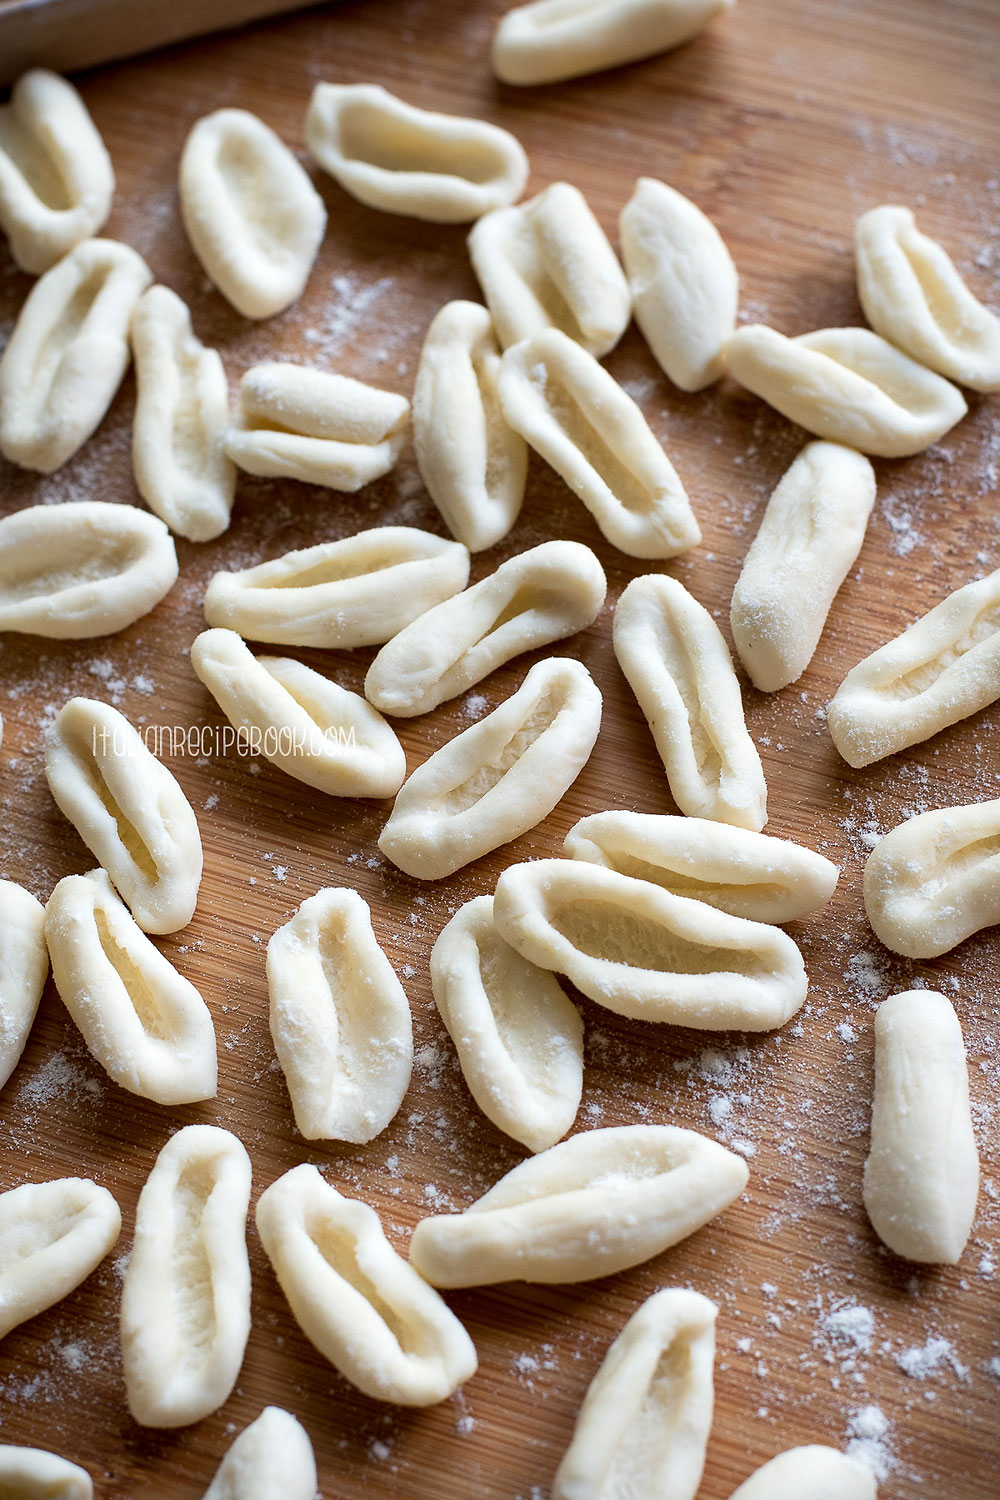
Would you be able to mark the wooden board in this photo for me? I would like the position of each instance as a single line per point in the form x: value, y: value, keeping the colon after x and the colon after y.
x: 783, y: 122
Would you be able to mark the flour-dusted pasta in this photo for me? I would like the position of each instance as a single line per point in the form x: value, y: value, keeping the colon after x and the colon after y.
x: 807, y: 543
x: 498, y: 778
x: 744, y: 873
x: 598, y: 1203
x: 146, y: 1025
x: 643, y: 1427
x: 359, y: 591
x: 185, y: 1315
x: 548, y: 40
x: 33, y: 1474
x: 24, y: 967
x: 547, y: 264
x: 299, y: 423
x: 589, y: 429
x: 128, y: 809
x: 819, y: 1472
x: 303, y: 722
x: 922, y: 1174
x: 518, y: 1037
x: 340, y: 1019
x: 847, y: 385
x: 533, y: 598
x: 253, y: 217
x: 943, y: 668
x: 52, y: 1235
x: 361, y: 1304
x: 685, y: 290
x: 273, y: 1456
x: 473, y: 464
x: 181, y: 415
x: 679, y: 668
x: 403, y: 160
x: 913, y: 296
x: 68, y: 352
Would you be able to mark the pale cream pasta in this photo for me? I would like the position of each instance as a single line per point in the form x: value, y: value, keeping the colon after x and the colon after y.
x: 549, y: 40
x: 33, y: 1474
x: 52, y: 1235
x: 24, y: 968
x: 814, y: 1470
x: 273, y: 1456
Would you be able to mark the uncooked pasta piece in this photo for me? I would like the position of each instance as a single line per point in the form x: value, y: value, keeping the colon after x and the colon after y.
x: 146, y: 1025
x: 303, y: 722
x: 185, y: 1315
x: 922, y: 1174
x: 643, y: 1427
x: 24, y: 967
x: 33, y: 1474
x: 181, y: 414
x: 547, y: 264
x: 549, y: 40
x: 821, y: 1473
x: 598, y: 1203
x: 128, y: 809
x: 593, y: 434
x: 404, y: 160
x: 744, y: 873
x: 847, y: 385
x: 642, y: 951
x: 808, y: 541
x: 519, y: 1038
x: 535, y: 597
x: 685, y: 290
x: 679, y: 668
x: 81, y: 569
x: 68, y: 352
x: 498, y: 778
x: 52, y: 1235
x: 358, y: 591
x: 913, y: 296
x: 273, y: 1456
x: 340, y: 1019
x: 253, y: 217
x: 298, y: 423
x: 361, y: 1304
x: 943, y: 668
x: 473, y: 464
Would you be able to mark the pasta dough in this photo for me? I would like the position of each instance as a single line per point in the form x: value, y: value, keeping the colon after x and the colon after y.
x: 821, y: 1473
x: 548, y: 40
x: 52, y: 1235
x: 32, y: 1474
x: 270, y: 1457
x: 24, y: 968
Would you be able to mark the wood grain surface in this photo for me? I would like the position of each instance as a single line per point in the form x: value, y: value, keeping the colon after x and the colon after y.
x: 783, y: 122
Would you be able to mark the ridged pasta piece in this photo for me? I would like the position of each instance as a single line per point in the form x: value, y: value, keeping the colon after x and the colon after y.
x: 643, y: 1428
x: 685, y: 290
x: 299, y: 720
x: 273, y: 1456
x: 358, y: 591
x: 473, y: 464
x: 598, y: 1203
x: 361, y: 1304
x: 128, y: 809
x: 298, y: 423
x: 547, y: 263
x: 538, y: 596
x: 922, y: 1174
x: 185, y: 1314
x: 819, y: 1472
x: 146, y: 1025
x: 847, y: 385
x: 253, y: 217
x: 83, y: 568
x: 24, y: 967
x: 913, y: 296
x: 33, y: 1474
x: 52, y: 1235
x: 56, y: 177
x: 808, y: 541
x: 390, y: 155
x: 498, y: 778
x: 340, y: 1019
x: 181, y: 415
x: 746, y: 874
x: 68, y: 352
x: 519, y: 1038
x: 549, y: 40
x: 680, y: 670
x: 593, y: 434
x: 944, y: 667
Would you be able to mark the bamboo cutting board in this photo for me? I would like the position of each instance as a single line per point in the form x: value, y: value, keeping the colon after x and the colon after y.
x: 783, y: 123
